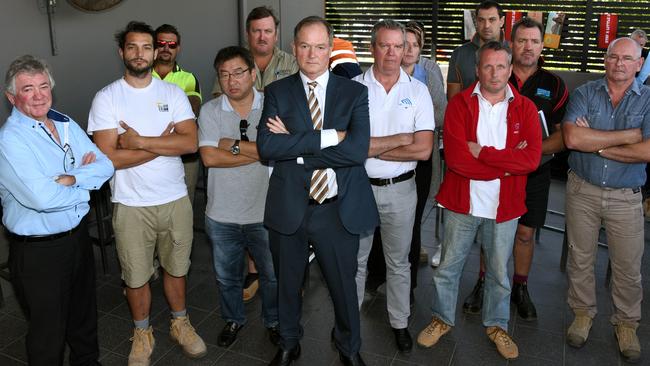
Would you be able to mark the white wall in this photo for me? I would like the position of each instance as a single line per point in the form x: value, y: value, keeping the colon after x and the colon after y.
x: 87, y: 56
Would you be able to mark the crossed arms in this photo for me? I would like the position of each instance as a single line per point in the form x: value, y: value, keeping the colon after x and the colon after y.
x: 129, y: 149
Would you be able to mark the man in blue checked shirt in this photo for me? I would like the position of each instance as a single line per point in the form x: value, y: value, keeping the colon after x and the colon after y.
x: 47, y: 168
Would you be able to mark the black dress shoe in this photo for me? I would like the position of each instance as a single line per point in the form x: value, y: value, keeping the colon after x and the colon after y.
x: 474, y: 302
x: 403, y: 340
x: 274, y: 335
x: 228, y: 334
x: 521, y: 299
x: 285, y: 358
x: 355, y: 360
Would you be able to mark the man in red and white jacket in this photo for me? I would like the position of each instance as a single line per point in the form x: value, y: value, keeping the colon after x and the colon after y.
x: 492, y: 138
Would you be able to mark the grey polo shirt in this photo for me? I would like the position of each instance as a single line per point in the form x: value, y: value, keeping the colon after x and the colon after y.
x: 633, y: 111
x: 238, y: 194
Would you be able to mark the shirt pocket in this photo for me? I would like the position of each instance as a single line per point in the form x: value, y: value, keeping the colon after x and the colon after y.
x: 594, y: 119
x: 633, y: 120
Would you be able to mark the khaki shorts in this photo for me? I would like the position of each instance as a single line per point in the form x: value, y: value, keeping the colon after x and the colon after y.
x: 141, y: 232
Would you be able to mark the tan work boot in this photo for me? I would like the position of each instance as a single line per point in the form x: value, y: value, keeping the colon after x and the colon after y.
x: 430, y: 335
x: 628, y: 342
x: 578, y: 332
x: 505, y: 345
x: 183, y: 333
x: 141, y: 347
x: 251, y: 285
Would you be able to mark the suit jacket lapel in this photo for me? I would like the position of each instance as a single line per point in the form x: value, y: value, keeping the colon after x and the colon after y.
x: 298, y: 93
x: 330, y: 100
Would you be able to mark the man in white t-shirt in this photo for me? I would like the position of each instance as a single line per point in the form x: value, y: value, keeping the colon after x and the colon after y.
x: 401, y: 133
x: 143, y: 125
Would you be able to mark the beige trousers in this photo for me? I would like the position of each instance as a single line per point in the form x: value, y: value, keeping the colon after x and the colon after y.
x: 619, y: 211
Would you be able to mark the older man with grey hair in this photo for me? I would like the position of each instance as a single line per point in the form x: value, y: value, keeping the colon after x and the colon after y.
x: 45, y: 189
x: 401, y: 133
x: 607, y: 127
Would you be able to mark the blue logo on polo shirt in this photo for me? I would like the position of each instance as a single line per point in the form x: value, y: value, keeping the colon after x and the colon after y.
x: 543, y: 93
x: 406, y: 102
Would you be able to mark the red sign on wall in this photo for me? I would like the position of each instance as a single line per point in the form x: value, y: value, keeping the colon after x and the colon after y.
x: 607, y: 29
x: 511, y: 18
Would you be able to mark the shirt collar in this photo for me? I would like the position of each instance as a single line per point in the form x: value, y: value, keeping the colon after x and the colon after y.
x: 257, y: 102
x: 634, y: 87
x: 509, y: 94
x: 51, y: 114
x: 322, y: 80
x: 403, y: 76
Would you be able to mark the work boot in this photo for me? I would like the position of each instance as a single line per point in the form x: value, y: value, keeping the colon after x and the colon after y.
x: 628, y: 342
x: 430, y: 335
x: 141, y: 347
x: 183, y: 333
x: 474, y: 302
x: 578, y: 332
x: 521, y: 299
x: 251, y: 285
x: 505, y: 345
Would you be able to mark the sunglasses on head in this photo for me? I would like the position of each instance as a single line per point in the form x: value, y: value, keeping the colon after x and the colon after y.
x: 243, y: 126
x: 171, y: 44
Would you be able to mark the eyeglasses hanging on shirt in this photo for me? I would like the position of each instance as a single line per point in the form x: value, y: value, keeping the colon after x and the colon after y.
x: 243, y: 127
x: 68, y: 155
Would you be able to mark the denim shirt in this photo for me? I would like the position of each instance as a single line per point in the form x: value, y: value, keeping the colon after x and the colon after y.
x: 30, y: 162
x: 633, y: 111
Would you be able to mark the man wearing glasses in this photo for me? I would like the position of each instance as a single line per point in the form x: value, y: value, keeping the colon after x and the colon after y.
x: 237, y: 185
x: 144, y: 125
x: 607, y: 127
x: 168, y: 44
x: 44, y: 190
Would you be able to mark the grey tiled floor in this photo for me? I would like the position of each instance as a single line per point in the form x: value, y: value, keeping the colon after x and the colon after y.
x: 541, y: 342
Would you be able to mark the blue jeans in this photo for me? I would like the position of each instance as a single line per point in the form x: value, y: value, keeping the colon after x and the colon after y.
x: 228, y: 244
x: 497, y: 241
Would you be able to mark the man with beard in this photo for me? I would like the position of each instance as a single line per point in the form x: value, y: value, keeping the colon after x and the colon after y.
x: 143, y: 125
x: 168, y: 44
x: 462, y: 72
x: 271, y: 63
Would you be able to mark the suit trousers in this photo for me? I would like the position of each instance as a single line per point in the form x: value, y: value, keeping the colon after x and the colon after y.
x: 55, y: 283
x: 336, y: 251
x: 620, y: 211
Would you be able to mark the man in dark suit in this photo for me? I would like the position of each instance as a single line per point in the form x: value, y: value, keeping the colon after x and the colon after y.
x: 315, y: 126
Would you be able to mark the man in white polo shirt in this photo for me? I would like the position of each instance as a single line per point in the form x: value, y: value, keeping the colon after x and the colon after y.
x: 401, y: 133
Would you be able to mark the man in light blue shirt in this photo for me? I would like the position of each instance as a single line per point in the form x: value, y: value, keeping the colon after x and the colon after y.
x: 48, y: 166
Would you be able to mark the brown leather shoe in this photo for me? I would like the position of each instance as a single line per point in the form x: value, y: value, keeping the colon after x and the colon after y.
x: 505, y: 345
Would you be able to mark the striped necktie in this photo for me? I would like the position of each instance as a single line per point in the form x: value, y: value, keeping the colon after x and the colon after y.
x: 318, y: 188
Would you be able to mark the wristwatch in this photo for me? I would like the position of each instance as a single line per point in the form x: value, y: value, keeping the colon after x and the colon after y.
x: 234, y: 149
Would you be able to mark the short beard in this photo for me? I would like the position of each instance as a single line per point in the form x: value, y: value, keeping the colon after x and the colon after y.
x: 135, y: 72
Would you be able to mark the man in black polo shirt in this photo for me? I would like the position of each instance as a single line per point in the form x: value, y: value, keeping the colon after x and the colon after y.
x: 550, y: 95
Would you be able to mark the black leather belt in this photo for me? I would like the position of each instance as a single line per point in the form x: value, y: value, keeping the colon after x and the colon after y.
x: 387, y: 181
x: 39, y: 238
x: 327, y: 200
